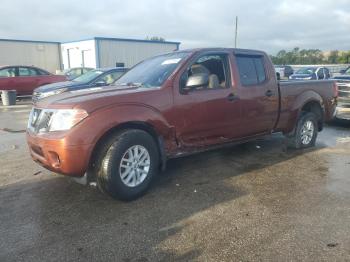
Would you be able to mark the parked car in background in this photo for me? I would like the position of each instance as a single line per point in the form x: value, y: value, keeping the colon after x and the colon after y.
x: 94, y: 78
x: 73, y: 73
x: 169, y: 106
x: 345, y: 71
x: 24, y: 79
x: 285, y: 71
x: 343, y: 108
x: 311, y: 73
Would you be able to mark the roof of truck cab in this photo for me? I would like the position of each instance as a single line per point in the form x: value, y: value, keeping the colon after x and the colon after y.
x: 213, y: 49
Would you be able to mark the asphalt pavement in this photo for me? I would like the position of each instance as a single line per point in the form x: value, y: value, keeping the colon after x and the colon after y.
x: 254, y: 202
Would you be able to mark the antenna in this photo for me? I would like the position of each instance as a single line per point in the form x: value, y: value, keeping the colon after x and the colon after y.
x: 236, y: 31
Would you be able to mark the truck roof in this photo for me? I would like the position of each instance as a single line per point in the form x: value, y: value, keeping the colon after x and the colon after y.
x: 235, y: 50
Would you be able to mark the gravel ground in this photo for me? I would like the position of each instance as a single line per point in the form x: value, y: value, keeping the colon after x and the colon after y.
x: 253, y: 202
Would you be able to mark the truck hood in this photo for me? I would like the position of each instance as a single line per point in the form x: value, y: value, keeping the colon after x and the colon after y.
x: 342, y: 77
x: 91, y: 99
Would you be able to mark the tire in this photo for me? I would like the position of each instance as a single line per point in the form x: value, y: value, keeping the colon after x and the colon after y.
x: 303, y: 137
x: 128, y: 179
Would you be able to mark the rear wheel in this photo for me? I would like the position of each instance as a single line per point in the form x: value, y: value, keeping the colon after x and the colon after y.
x: 305, y: 132
x: 129, y: 161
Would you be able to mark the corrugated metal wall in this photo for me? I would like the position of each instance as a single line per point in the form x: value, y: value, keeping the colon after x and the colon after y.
x: 41, y: 54
x: 129, y: 52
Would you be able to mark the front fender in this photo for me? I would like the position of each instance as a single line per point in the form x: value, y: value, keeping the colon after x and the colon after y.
x: 99, y: 122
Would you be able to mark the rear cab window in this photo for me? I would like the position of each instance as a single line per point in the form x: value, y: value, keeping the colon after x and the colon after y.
x: 251, y: 69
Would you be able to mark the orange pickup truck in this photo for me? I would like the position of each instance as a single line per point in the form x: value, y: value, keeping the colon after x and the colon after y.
x: 169, y: 106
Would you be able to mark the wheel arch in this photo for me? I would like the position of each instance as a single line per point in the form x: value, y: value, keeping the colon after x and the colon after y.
x: 314, y: 106
x: 139, y: 125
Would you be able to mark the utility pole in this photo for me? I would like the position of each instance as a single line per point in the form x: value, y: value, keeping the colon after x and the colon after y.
x: 236, y: 31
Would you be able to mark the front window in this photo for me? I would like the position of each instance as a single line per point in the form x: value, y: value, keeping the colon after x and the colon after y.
x: 89, y: 76
x: 152, y: 72
x: 347, y: 72
x: 306, y: 71
x: 8, y: 72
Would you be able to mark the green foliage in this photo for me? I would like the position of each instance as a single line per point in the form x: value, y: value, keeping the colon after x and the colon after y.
x: 298, y: 56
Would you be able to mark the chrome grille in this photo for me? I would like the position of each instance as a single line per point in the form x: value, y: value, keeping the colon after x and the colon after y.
x: 344, y: 90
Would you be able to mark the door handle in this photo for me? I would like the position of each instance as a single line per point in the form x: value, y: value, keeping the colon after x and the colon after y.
x: 269, y: 93
x: 231, y: 97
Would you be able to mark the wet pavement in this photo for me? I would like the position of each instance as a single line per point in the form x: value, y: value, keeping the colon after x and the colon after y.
x: 253, y: 202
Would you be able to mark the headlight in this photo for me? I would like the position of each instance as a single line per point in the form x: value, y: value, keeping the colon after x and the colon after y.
x: 47, y: 120
x: 51, y: 93
x: 65, y: 119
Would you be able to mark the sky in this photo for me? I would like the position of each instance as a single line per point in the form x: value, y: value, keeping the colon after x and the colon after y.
x: 269, y: 25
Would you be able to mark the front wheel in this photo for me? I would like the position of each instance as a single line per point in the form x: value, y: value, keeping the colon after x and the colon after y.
x: 305, y: 132
x: 129, y: 162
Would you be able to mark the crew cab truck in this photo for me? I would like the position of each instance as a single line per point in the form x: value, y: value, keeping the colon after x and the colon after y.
x: 169, y: 106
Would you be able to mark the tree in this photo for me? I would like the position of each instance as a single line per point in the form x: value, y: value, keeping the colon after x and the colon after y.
x: 344, y: 58
x: 333, y: 57
x: 309, y: 56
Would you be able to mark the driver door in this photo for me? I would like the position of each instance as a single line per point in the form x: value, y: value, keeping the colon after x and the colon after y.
x: 210, y: 113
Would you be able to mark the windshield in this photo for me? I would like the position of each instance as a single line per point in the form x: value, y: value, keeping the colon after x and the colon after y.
x: 306, y: 71
x: 152, y: 72
x: 89, y: 76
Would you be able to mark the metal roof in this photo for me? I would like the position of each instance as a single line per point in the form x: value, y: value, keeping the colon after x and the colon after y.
x: 29, y: 41
x: 124, y: 39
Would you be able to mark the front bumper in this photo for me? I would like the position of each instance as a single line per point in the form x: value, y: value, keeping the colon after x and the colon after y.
x: 57, y: 156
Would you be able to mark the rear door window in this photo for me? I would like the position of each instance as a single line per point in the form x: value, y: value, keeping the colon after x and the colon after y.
x: 27, y: 71
x: 251, y: 69
x: 41, y: 72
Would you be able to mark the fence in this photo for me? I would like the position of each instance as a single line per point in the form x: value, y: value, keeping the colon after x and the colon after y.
x: 333, y: 68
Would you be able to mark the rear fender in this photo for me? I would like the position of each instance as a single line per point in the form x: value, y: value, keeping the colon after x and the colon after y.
x: 297, y: 106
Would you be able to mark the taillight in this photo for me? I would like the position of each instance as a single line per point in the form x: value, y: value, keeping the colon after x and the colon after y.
x: 335, y: 89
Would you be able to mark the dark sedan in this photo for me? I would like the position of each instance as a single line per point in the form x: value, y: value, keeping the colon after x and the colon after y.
x: 93, y: 78
x: 311, y: 73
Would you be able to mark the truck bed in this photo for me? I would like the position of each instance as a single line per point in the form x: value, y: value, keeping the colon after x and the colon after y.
x: 294, y: 93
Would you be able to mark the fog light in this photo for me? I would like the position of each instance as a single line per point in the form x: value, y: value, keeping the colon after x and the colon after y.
x: 54, y: 159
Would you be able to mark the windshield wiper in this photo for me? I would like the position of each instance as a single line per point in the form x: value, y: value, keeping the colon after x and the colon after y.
x: 131, y: 84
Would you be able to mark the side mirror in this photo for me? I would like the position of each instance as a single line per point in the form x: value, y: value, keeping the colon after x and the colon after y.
x: 100, y: 83
x: 278, y: 76
x: 342, y: 71
x: 197, y: 80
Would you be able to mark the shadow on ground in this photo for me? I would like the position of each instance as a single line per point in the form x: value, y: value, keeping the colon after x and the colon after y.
x: 53, y: 217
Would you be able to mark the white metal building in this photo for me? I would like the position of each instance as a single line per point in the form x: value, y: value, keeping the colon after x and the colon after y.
x: 42, y: 54
x: 111, y: 52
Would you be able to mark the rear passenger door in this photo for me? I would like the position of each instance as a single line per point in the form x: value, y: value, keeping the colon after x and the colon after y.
x: 258, y: 94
